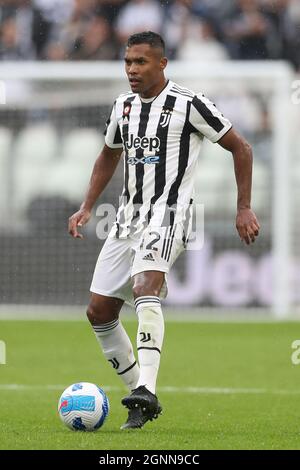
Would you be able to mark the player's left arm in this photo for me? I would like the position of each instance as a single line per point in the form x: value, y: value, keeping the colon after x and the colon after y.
x: 246, y: 221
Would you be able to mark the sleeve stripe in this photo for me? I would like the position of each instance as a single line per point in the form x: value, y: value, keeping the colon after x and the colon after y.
x: 112, y: 132
x: 106, y: 125
x: 117, y: 138
x: 207, y: 115
x: 109, y: 118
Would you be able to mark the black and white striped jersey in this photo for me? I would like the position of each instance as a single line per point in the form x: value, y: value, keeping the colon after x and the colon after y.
x: 161, y: 139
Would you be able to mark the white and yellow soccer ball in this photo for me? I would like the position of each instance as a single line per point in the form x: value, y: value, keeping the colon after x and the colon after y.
x: 83, y: 407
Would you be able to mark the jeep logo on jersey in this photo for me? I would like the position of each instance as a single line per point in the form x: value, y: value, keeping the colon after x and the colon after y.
x: 145, y: 143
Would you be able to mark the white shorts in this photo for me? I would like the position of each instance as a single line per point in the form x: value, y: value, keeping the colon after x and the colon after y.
x: 122, y: 258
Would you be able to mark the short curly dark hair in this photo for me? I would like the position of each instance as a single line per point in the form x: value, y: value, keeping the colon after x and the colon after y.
x: 147, y: 37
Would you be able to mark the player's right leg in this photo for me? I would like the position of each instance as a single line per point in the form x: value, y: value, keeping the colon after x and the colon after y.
x: 110, y: 287
x: 103, y: 314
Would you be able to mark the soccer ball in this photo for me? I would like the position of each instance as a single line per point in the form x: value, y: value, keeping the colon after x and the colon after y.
x: 83, y: 407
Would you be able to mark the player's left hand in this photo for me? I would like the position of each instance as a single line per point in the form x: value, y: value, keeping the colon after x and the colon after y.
x: 247, y: 225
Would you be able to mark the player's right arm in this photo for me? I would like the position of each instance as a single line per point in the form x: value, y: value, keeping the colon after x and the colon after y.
x: 102, y: 173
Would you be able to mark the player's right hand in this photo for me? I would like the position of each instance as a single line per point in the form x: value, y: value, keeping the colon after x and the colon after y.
x: 78, y: 219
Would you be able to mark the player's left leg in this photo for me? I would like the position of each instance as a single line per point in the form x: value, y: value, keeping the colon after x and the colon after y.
x: 143, y: 404
x: 155, y: 253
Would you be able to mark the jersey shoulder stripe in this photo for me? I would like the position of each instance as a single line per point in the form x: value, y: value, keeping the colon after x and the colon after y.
x: 125, y: 95
x: 183, y: 94
x: 183, y: 90
x: 179, y: 93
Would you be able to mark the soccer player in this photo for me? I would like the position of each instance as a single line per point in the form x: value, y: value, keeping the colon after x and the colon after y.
x: 159, y: 127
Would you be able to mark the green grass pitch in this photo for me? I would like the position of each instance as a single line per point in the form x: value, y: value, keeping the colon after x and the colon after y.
x: 222, y: 386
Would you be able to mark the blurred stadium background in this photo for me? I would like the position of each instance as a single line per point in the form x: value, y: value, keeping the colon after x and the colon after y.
x: 61, y: 70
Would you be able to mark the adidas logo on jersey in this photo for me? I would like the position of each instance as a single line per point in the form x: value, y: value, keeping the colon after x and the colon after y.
x: 149, y: 257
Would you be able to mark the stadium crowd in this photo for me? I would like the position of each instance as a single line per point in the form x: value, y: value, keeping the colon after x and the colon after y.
x: 193, y: 29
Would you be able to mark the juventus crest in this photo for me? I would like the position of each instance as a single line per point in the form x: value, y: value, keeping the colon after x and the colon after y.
x: 165, y: 117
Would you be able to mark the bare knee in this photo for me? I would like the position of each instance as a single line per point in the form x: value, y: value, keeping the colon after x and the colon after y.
x: 147, y: 283
x: 140, y: 289
x: 103, y: 309
x: 94, y: 314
